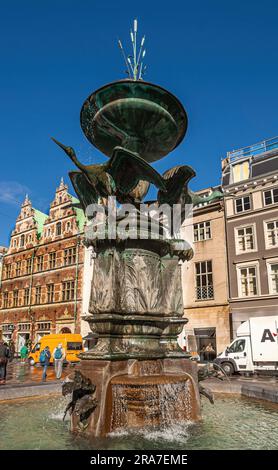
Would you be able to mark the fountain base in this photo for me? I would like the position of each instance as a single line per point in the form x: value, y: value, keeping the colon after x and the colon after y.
x: 139, y: 394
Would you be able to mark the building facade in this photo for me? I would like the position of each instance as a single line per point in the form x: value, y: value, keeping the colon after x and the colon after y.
x: 250, y: 183
x: 43, y: 271
x: 3, y: 251
x: 205, y: 288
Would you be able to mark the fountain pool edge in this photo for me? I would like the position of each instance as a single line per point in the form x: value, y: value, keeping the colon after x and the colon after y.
x: 12, y: 392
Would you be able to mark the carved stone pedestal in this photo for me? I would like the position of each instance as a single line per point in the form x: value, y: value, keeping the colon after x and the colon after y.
x: 142, y: 377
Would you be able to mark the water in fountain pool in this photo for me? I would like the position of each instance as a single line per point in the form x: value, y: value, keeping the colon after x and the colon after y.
x: 232, y: 423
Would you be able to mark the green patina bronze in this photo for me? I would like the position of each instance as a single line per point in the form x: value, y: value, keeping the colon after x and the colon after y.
x: 136, y: 286
x: 133, y: 123
x: 136, y: 115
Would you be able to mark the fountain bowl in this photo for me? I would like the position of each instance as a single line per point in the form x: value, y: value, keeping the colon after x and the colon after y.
x: 139, y: 116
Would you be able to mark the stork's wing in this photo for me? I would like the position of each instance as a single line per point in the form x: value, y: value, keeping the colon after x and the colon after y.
x: 85, y: 191
x: 127, y: 169
x: 176, y: 180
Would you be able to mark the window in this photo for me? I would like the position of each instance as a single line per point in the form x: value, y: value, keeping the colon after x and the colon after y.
x: 272, y: 233
x: 29, y: 265
x: 58, y: 228
x: 241, y: 171
x: 40, y: 263
x: 5, y: 299
x: 271, y: 196
x: 68, y: 290
x: 243, y: 204
x: 18, y: 268
x: 273, y: 277
x: 245, y: 239
x: 202, y: 231
x: 248, y: 281
x: 38, y: 295
x: 47, y: 232
x: 74, y: 346
x: 22, y: 241
x: 26, y: 296
x: 8, y: 270
x: 15, y: 298
x: 204, y: 283
x: 69, y: 256
x: 52, y: 260
x: 24, y: 327
x: 237, y: 346
x: 50, y: 293
x: 43, y: 326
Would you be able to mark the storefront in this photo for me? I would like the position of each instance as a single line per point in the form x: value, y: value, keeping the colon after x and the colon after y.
x: 23, y: 335
x: 206, y: 343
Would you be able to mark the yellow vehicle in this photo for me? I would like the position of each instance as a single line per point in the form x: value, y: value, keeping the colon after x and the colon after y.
x: 72, y: 344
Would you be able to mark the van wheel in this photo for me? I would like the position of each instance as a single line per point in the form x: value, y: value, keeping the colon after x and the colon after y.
x: 31, y: 361
x: 228, y: 368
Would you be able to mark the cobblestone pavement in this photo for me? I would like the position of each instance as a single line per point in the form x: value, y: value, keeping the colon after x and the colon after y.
x: 22, y: 373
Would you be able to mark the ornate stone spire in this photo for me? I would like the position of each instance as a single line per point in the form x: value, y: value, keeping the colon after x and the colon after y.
x: 26, y: 201
x: 62, y: 185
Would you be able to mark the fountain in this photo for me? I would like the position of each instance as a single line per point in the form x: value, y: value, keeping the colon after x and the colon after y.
x: 136, y: 375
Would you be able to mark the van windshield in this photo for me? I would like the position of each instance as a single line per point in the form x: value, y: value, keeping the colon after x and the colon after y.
x: 36, y: 347
x: 237, y: 346
x: 74, y: 346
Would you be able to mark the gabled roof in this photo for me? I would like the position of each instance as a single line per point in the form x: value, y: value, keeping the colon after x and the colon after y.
x: 80, y: 216
x: 40, y: 218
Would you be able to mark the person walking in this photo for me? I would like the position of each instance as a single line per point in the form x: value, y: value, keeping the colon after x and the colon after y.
x: 59, y: 356
x: 4, y: 356
x: 24, y: 353
x: 45, y: 356
x: 12, y: 350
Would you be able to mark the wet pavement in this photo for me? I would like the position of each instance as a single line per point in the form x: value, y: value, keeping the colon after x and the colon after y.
x: 19, y: 373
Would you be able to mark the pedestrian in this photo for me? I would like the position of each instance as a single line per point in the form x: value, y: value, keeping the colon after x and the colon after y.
x: 59, y: 356
x: 24, y: 353
x: 210, y: 352
x: 4, y: 356
x: 45, y: 356
x: 12, y: 350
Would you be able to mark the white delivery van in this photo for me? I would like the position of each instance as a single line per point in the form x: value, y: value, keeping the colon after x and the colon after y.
x: 255, y: 348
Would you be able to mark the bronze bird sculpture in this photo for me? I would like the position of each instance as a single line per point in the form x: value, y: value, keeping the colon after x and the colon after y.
x: 126, y: 175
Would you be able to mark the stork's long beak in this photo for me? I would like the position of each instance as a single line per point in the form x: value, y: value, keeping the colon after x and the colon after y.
x: 60, y: 145
x: 71, y: 153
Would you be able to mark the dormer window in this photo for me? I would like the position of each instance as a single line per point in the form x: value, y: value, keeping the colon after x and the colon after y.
x: 58, y: 228
x: 241, y: 171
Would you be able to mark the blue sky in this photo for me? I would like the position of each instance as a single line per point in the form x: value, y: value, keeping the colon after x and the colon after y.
x: 219, y: 57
